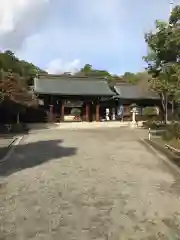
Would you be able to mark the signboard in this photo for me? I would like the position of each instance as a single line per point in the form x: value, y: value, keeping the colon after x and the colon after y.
x: 120, y: 111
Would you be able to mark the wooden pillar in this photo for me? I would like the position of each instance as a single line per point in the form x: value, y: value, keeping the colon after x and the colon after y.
x: 51, y: 108
x: 50, y: 113
x: 87, y: 112
x: 97, y: 112
x: 62, y: 111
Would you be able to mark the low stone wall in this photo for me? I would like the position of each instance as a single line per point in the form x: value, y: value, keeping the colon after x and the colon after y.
x: 77, y: 124
x: 91, y: 125
x: 171, y: 155
x: 5, y: 144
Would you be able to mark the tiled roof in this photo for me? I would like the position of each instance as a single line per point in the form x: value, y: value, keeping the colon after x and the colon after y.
x: 72, y: 86
x: 126, y: 91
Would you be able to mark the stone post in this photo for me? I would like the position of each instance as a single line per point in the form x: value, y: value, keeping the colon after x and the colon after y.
x: 133, y: 116
x: 133, y: 122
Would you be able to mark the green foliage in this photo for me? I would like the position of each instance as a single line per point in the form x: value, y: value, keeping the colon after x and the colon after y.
x: 127, y: 77
x: 18, y: 128
x: 149, y: 114
x: 153, y: 123
x: 76, y: 112
x: 15, y: 75
x: 176, y: 130
x: 149, y: 111
x: 87, y: 69
x: 163, y: 58
x: 174, y: 18
x: 10, y: 62
x: 167, y: 135
x: 130, y: 77
x: 164, y: 52
x: 172, y: 131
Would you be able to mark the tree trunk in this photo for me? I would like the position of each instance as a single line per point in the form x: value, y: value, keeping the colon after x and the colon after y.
x: 172, y: 110
x: 166, y: 108
x: 164, y: 101
x: 17, y: 118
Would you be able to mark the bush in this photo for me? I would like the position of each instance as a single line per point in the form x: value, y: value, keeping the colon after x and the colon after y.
x: 153, y: 124
x: 76, y: 112
x: 176, y: 130
x: 167, y: 135
x: 149, y: 111
x: 172, y: 131
x: 18, y: 128
x: 4, y: 129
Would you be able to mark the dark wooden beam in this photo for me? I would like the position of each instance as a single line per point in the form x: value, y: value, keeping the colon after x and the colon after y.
x: 87, y: 112
x: 97, y: 112
x: 62, y: 110
x: 51, y: 110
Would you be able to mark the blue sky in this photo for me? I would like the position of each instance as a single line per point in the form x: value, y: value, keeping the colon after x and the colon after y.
x: 63, y: 35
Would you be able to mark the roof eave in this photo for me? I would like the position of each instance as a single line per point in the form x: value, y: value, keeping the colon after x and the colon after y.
x: 74, y: 94
x: 137, y: 98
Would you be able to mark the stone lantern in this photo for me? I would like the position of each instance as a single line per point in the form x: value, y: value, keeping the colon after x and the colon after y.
x: 134, y: 111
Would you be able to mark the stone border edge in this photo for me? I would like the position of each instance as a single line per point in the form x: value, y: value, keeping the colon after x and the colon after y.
x: 163, y: 154
x: 11, y: 148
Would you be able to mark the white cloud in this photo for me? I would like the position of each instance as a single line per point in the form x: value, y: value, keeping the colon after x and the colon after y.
x: 58, y: 66
x: 42, y: 30
x: 108, y: 34
x: 76, y: 30
x: 19, y: 19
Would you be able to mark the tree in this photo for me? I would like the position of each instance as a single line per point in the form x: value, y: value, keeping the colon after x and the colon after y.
x: 127, y: 77
x: 15, y: 77
x: 86, y: 69
x: 130, y: 77
x: 163, y: 58
x: 89, y: 71
x: 10, y: 62
x: 15, y: 95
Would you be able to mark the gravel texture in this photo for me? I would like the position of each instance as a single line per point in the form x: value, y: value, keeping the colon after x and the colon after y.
x: 87, y: 184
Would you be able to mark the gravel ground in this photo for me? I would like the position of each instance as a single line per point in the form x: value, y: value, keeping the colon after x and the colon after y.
x: 87, y: 184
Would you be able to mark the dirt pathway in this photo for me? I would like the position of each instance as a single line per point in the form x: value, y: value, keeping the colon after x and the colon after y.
x: 87, y: 184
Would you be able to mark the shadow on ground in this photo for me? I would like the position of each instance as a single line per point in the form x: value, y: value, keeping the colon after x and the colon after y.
x: 5, y: 143
x: 33, y: 154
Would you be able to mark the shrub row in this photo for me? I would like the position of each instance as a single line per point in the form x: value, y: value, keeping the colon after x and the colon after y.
x: 172, y: 131
x: 155, y: 124
x: 13, y: 128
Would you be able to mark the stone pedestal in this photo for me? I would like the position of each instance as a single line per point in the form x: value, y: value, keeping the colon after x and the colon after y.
x: 133, y: 116
x: 133, y: 124
x: 113, y: 114
x: 107, y: 114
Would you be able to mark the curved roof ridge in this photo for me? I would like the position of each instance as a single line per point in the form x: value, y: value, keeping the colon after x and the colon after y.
x: 71, y: 77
